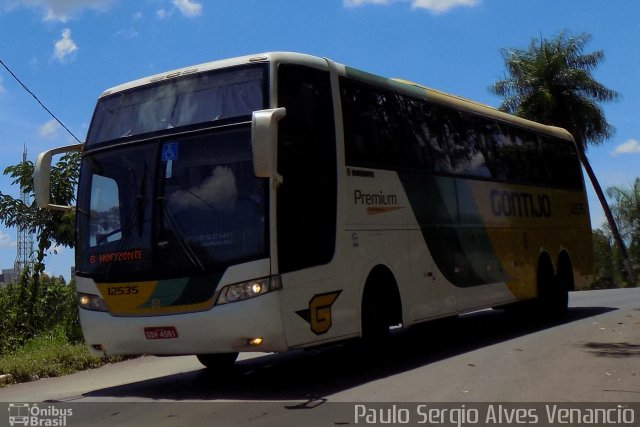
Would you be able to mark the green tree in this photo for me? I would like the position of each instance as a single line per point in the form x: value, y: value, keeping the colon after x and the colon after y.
x: 626, y: 211
x: 607, y: 261
x: 551, y: 82
x: 49, y: 226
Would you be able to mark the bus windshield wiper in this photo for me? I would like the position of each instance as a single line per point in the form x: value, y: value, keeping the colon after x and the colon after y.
x: 186, y: 248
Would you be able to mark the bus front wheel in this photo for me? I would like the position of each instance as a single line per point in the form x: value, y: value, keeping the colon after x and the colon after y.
x: 381, y: 306
x: 217, y: 360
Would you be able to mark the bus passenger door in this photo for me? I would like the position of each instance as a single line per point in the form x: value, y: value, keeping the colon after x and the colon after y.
x: 306, y: 206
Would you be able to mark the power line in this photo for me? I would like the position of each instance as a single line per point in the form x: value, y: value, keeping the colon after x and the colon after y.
x: 39, y: 102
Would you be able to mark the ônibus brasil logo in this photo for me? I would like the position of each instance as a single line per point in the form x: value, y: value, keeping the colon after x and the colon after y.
x: 27, y: 414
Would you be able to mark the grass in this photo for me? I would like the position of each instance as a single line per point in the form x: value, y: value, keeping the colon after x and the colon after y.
x: 49, y: 355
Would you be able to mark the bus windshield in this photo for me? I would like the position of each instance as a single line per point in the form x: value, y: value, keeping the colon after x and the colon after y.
x: 172, y: 206
x: 200, y: 98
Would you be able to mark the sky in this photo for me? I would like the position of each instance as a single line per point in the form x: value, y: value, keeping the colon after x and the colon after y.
x: 69, y: 51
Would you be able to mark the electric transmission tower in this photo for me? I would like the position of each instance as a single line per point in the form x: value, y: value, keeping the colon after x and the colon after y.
x: 24, y: 257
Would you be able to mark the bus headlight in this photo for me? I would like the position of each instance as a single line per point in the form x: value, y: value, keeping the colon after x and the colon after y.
x: 250, y: 289
x: 91, y: 302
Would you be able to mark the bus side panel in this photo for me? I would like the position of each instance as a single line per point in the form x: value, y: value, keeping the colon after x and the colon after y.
x: 428, y: 293
x: 385, y: 231
x: 318, y: 304
x: 454, y: 232
x: 524, y: 221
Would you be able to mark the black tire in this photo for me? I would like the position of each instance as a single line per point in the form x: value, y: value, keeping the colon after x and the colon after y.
x: 375, y: 322
x: 217, y: 360
x: 381, y: 306
x: 553, y: 291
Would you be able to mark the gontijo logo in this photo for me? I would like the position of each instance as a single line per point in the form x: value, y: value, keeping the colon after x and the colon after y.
x: 33, y: 415
x: 520, y: 204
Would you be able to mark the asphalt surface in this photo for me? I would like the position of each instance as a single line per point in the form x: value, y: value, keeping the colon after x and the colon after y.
x: 490, y: 356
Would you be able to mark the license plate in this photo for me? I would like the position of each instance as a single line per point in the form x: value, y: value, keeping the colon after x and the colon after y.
x: 161, y: 333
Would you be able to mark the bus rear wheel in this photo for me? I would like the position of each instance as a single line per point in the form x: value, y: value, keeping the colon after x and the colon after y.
x: 217, y: 360
x: 553, y: 291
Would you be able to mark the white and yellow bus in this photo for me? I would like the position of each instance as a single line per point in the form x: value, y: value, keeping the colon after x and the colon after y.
x: 282, y: 201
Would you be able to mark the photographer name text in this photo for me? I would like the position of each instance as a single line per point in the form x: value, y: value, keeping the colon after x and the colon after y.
x: 493, y: 414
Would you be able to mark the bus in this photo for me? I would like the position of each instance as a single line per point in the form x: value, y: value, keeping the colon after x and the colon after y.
x: 281, y: 201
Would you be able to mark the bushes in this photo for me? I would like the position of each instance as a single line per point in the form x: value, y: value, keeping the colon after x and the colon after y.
x: 40, y: 333
x: 32, y: 308
x: 47, y: 355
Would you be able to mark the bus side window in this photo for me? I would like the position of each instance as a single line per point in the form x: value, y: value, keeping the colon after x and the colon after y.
x: 307, y: 162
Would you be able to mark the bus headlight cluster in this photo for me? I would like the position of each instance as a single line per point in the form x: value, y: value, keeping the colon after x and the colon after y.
x: 91, y: 302
x: 250, y: 289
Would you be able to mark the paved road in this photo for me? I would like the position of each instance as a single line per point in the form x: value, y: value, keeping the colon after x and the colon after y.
x: 488, y: 356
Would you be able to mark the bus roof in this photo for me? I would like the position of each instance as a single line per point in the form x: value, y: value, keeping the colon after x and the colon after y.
x: 394, y: 84
x: 455, y: 101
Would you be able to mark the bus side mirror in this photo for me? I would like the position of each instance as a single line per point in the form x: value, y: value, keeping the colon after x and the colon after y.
x: 264, y: 143
x: 42, y: 177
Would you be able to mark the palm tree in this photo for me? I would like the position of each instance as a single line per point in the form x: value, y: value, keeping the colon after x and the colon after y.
x: 551, y: 82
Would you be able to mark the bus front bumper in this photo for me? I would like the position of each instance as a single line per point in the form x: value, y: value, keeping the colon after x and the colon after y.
x: 250, y: 325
